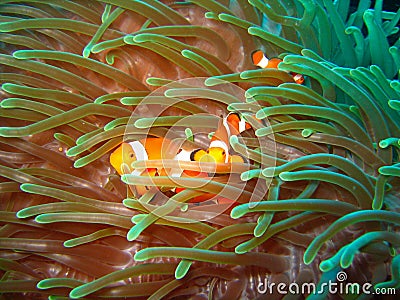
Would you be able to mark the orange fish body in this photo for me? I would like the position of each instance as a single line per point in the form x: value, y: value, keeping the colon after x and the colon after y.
x: 127, y: 153
x: 156, y: 148
x: 218, y: 150
x: 260, y: 60
x: 147, y: 149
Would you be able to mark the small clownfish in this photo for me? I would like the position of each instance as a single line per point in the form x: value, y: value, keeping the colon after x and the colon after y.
x: 146, y: 149
x: 237, y: 123
x: 151, y: 149
x: 218, y: 150
x: 127, y: 153
x: 260, y: 60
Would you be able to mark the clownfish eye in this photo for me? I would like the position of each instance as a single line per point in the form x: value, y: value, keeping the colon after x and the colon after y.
x: 223, y: 152
x: 132, y: 155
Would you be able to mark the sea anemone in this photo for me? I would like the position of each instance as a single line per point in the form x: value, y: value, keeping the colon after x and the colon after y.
x: 315, y: 199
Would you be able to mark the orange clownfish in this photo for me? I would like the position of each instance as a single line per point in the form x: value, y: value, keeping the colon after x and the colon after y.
x: 152, y: 149
x: 218, y: 150
x: 260, y: 60
x: 147, y: 149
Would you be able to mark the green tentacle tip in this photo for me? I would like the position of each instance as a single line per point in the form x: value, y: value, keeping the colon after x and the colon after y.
x: 144, y: 123
x: 110, y: 58
x: 249, y: 93
x: 70, y: 243
x: 141, y: 255
x: 242, y: 248
x: 139, y: 38
x: 377, y: 203
x: 7, y: 103
x: 355, y: 110
x: 389, y: 142
x: 43, y: 219
x: 263, y: 223
x: 268, y: 172
x: 347, y: 258
x: 285, y: 176
x: 182, y: 269
x: 24, y: 213
x: 188, y: 54
x: 50, y: 283
x: 395, y: 84
x: 238, y: 211
x: 155, y: 81
x: 259, y: 230
x: 73, y: 151
x: 128, y: 39
x: 129, y: 203
x: 309, y: 255
x: 57, y: 297
x: 234, y: 140
x: 247, y: 175
x: 97, y: 48
x: 333, y: 262
x: 45, y: 284
x: 110, y: 125
x: 86, y: 51
x: 307, y: 132
x: 65, y: 139
x: 189, y: 134
x: 76, y: 293
x: 231, y: 107
x: 27, y: 187
x: 212, y: 81
x: 395, y: 104
x: 80, y: 140
x: 389, y: 171
x: 125, y: 179
x: 21, y: 54
x: 261, y: 113
x: 106, y: 13
x: 8, y: 87
x: 326, y: 265
x: 133, y: 233
x: 211, y: 15
x: 81, y: 162
x: 137, y: 218
x: 184, y: 207
x: 9, y: 132
x: 126, y: 100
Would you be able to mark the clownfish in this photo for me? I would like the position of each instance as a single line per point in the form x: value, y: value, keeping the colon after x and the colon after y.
x: 218, y: 150
x: 122, y: 158
x: 260, y: 60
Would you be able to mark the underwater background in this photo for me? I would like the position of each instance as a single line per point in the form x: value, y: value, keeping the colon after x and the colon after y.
x: 316, y: 196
